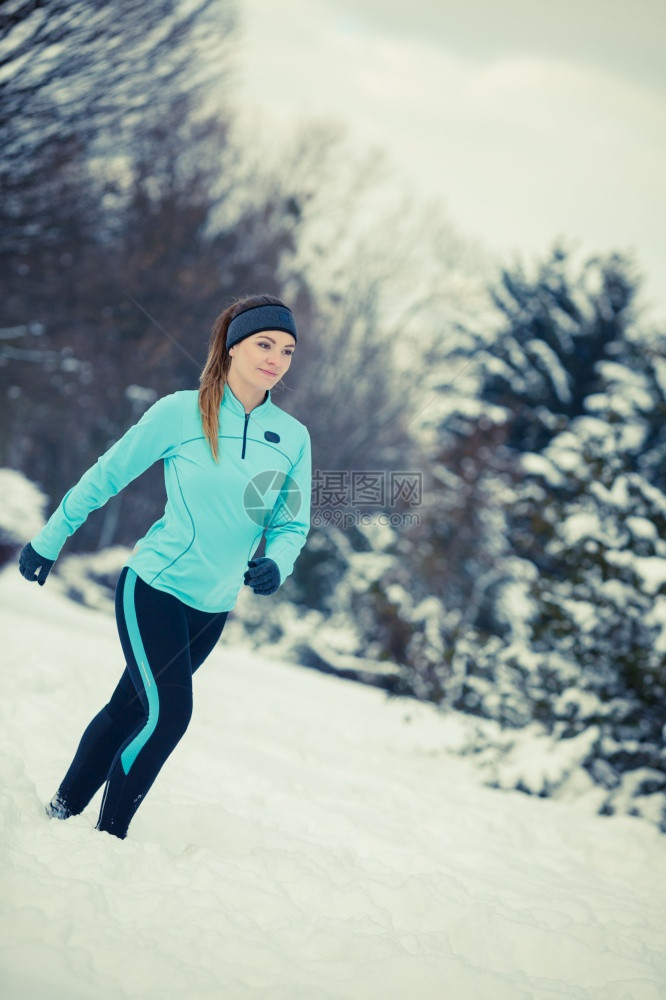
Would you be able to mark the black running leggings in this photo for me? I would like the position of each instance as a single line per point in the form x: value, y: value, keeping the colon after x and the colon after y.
x: 126, y: 744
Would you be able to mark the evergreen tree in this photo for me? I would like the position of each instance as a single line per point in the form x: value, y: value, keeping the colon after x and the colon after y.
x: 557, y: 327
x: 586, y: 654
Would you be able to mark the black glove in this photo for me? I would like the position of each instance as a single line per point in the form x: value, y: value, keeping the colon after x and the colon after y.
x: 263, y: 576
x: 31, y: 561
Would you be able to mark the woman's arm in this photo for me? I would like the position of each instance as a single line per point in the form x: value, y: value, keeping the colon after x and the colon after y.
x: 288, y: 531
x: 156, y: 435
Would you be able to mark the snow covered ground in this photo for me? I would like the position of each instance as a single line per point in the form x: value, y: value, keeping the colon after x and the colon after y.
x: 308, y: 840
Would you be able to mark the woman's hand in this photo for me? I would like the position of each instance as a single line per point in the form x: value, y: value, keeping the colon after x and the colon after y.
x: 263, y: 576
x: 31, y: 561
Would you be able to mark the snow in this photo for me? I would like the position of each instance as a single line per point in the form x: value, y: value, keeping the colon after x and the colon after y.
x: 657, y: 617
x: 585, y: 524
x: 538, y: 465
x: 539, y: 351
x: 650, y: 570
x: 539, y: 764
x: 21, y: 512
x: 308, y: 840
x: 84, y: 575
x: 642, y: 528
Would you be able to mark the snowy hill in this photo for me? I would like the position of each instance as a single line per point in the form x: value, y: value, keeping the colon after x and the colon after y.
x: 308, y: 840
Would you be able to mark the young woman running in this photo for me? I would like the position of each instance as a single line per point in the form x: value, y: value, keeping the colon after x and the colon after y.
x: 236, y: 467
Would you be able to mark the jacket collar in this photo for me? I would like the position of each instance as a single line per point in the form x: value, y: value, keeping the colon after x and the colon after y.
x: 232, y: 402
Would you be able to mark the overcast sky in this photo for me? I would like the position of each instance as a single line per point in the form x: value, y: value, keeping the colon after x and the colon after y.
x: 530, y: 120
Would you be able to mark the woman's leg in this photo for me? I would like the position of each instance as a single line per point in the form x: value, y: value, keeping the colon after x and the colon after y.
x: 154, y: 630
x: 205, y: 630
x: 99, y: 744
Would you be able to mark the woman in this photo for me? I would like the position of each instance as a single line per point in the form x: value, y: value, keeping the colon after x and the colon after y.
x: 235, y: 467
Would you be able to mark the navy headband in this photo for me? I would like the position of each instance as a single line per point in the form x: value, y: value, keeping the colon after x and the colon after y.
x: 260, y: 318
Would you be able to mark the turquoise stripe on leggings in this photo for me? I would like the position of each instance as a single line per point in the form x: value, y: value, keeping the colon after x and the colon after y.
x: 132, y: 751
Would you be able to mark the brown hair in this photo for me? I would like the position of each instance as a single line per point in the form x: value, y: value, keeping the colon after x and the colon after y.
x: 214, y: 375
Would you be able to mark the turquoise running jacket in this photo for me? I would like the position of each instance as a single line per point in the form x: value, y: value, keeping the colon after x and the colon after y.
x: 215, y: 514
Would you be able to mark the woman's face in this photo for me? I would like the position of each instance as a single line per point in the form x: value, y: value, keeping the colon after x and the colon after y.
x: 263, y: 358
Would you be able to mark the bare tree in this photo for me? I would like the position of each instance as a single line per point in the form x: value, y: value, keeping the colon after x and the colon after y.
x: 83, y: 73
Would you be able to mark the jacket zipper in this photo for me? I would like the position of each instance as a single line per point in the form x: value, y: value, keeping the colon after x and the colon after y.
x: 247, y: 417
